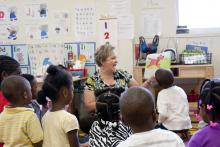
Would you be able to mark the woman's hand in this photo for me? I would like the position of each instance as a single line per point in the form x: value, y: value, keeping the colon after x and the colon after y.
x: 148, y: 82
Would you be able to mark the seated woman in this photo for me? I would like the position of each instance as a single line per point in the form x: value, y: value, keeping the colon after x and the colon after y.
x: 107, y: 76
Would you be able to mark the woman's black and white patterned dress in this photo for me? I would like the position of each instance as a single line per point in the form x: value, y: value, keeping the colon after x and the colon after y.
x: 108, y: 136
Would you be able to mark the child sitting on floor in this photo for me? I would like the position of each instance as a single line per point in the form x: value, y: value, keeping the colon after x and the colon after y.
x: 172, y: 105
x: 19, y: 125
x: 209, y: 103
x: 138, y: 111
x: 60, y: 127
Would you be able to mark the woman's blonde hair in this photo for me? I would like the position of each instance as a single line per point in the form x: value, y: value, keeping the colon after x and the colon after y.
x: 103, y: 53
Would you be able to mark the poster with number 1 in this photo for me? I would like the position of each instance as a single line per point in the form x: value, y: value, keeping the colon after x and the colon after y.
x: 108, y: 31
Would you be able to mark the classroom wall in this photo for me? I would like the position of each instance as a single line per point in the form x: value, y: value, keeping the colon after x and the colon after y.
x: 168, y: 10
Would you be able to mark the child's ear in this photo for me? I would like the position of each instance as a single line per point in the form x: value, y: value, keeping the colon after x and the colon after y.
x: 25, y: 95
x: 64, y: 92
x: 4, y: 74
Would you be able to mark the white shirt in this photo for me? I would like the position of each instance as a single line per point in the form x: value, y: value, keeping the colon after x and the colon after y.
x: 56, y: 125
x: 172, y: 103
x: 153, y: 138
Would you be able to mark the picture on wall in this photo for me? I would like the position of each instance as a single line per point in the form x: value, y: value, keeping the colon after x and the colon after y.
x: 87, y: 51
x: 36, y: 11
x: 20, y: 53
x: 8, y: 32
x: 71, y: 52
x: 6, y: 50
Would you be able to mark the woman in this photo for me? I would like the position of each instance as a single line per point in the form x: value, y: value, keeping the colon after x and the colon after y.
x: 107, y: 76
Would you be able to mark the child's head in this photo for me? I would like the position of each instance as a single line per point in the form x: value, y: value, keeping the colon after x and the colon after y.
x: 8, y: 66
x: 209, y: 101
x: 17, y: 90
x: 164, y: 77
x: 33, y: 83
x: 57, y: 85
x: 138, y: 109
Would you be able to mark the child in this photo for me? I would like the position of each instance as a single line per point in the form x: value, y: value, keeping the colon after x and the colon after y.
x: 172, y: 104
x: 60, y: 127
x: 209, y: 104
x: 34, y: 104
x: 138, y: 111
x: 19, y: 125
x: 8, y: 66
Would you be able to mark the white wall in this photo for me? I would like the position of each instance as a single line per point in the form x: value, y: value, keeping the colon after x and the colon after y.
x: 125, y: 47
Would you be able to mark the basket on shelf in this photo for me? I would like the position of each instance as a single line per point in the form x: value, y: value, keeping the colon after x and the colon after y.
x: 204, y: 58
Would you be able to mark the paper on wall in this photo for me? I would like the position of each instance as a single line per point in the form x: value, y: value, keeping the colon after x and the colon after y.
x: 43, y: 55
x: 61, y: 23
x: 108, y: 31
x: 36, y: 11
x: 85, y: 21
x: 36, y: 31
x: 5, y: 50
x: 88, y: 50
x: 151, y: 22
x: 126, y: 27
x: 119, y: 7
x: 20, y: 53
x: 8, y: 12
x: 8, y: 31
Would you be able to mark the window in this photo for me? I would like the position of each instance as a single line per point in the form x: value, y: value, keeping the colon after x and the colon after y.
x: 199, y: 14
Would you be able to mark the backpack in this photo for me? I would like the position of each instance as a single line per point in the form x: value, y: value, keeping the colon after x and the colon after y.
x: 149, y: 49
x: 172, y: 50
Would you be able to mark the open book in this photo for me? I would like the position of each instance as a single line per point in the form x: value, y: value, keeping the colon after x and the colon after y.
x: 156, y: 61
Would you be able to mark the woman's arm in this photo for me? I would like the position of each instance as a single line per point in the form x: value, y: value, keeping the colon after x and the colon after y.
x: 89, y: 100
x: 146, y: 84
x: 73, y: 138
x: 133, y: 82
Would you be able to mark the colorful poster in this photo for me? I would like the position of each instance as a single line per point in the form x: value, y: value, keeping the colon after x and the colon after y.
x: 5, y: 50
x: 87, y: 50
x: 20, y: 53
x: 71, y: 52
x: 156, y: 61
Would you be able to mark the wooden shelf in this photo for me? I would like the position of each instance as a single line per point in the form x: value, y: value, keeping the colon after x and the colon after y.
x: 180, y: 71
